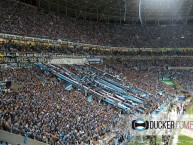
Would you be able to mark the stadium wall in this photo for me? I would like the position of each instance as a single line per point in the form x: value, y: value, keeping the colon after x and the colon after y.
x: 15, y: 139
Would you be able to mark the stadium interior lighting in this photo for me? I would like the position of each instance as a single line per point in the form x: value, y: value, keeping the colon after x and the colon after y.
x: 162, y: 5
x: 161, y: 1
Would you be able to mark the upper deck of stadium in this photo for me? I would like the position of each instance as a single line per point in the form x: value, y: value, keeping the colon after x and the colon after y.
x: 122, y: 11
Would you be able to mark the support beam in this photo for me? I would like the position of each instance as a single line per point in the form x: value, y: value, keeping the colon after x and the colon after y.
x: 66, y: 9
x: 57, y: 7
x: 77, y: 8
x: 39, y: 4
x: 85, y: 10
x: 49, y: 6
x: 97, y: 13
x: 126, y: 9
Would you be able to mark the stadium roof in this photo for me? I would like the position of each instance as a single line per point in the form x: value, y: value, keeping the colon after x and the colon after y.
x: 152, y: 11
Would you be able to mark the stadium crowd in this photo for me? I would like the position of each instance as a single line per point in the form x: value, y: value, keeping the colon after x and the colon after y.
x: 148, y: 74
x: 44, y: 110
x: 25, y: 20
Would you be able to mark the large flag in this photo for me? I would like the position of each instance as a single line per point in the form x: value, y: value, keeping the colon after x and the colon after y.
x: 2, y: 54
x: 90, y: 99
x: 169, y: 81
x: 69, y: 87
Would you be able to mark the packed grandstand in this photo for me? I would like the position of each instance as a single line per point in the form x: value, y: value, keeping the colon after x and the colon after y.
x: 17, y: 18
x: 81, y: 95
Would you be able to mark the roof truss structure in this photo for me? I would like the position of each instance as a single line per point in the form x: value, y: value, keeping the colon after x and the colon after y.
x: 122, y: 11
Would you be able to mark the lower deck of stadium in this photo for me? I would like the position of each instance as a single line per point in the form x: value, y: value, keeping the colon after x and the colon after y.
x: 83, y: 104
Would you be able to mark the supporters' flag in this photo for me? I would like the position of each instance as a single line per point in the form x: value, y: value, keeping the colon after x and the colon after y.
x: 160, y: 93
x: 116, y: 141
x: 25, y: 139
x: 90, y: 99
x: 69, y: 87
x: 169, y: 81
x: 2, y: 54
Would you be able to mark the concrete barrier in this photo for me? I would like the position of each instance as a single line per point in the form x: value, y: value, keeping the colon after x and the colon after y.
x: 15, y: 139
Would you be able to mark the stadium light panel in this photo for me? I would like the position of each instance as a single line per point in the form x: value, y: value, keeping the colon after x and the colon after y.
x: 162, y: 6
